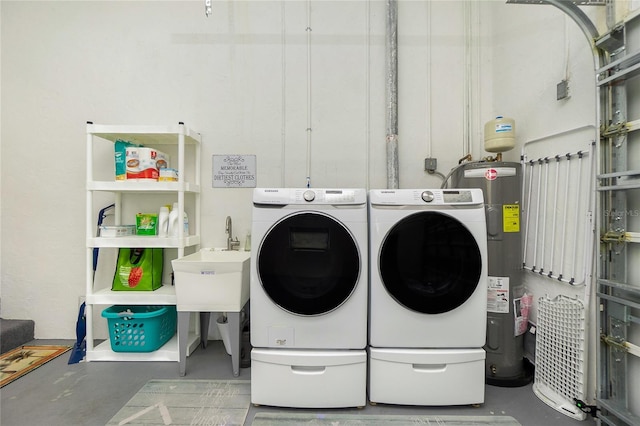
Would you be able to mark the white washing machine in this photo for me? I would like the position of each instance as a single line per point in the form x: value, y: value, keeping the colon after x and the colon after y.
x: 309, y: 297
x: 428, y: 295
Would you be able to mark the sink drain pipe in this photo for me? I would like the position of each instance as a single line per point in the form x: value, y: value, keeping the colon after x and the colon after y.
x: 392, y: 94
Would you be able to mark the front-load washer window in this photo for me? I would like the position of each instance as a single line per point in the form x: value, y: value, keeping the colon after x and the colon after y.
x: 308, y: 263
x: 430, y: 262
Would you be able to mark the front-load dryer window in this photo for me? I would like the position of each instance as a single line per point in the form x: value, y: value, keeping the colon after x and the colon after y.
x: 430, y: 262
x: 308, y: 263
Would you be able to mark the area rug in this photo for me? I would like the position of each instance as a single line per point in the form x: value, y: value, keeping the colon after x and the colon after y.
x: 187, y: 402
x: 19, y: 361
x: 290, y: 419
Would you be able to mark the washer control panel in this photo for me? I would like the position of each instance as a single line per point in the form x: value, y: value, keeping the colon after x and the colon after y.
x: 447, y: 196
x: 284, y: 196
x: 444, y: 197
x: 428, y: 196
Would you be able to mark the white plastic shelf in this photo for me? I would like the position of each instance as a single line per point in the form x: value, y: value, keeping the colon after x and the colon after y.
x: 143, y: 187
x: 165, y: 295
x: 141, y: 195
x: 143, y: 241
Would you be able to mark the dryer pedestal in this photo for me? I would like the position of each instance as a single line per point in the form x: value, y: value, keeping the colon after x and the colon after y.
x: 300, y: 378
x: 426, y: 376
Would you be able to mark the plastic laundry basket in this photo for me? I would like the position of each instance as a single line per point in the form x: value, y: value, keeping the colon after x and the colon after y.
x: 140, y: 328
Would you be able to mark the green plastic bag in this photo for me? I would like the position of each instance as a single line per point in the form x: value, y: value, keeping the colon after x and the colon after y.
x: 138, y: 269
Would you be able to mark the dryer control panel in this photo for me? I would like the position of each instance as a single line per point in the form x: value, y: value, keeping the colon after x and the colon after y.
x: 284, y: 196
x: 445, y: 197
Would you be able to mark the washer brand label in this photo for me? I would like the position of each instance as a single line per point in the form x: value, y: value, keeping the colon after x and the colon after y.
x: 491, y: 174
x: 511, y: 218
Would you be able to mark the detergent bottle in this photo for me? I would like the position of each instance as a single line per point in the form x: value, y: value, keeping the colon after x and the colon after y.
x: 173, y: 221
x: 163, y: 222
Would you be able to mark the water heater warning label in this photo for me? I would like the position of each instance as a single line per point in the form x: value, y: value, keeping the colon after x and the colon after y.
x: 511, y: 218
x: 498, y: 295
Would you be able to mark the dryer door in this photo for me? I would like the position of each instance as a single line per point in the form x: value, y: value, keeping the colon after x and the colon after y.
x: 308, y: 263
x: 430, y: 262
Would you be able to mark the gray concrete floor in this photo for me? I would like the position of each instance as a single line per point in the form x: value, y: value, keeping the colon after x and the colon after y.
x: 91, y: 393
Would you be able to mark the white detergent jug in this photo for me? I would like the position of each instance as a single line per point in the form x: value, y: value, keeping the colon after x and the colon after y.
x: 173, y: 221
x: 163, y: 222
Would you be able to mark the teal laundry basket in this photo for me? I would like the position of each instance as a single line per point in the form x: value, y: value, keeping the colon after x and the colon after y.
x: 140, y: 328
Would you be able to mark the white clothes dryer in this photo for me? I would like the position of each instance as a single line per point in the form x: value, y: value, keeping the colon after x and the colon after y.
x: 309, y: 297
x: 428, y: 294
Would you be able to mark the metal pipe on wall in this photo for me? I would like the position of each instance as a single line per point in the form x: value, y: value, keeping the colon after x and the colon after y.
x: 309, y: 122
x: 466, y: 101
x: 392, y: 94
x: 283, y: 95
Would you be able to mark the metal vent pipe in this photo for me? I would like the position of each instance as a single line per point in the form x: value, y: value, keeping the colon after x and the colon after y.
x: 392, y: 94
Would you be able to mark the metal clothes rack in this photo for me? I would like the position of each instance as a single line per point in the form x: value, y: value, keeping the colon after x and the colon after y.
x: 553, y: 212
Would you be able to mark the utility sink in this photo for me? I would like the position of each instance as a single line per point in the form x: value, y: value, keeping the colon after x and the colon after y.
x: 212, y: 280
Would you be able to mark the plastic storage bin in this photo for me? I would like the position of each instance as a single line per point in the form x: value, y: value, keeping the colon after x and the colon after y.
x: 140, y: 328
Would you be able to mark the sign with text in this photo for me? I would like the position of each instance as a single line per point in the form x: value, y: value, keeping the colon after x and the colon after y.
x: 234, y: 171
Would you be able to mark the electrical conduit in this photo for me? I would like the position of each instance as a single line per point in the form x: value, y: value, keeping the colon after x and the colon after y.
x: 392, y: 94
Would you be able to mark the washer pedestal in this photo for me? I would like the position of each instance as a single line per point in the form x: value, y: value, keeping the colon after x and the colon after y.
x: 426, y: 376
x: 308, y: 378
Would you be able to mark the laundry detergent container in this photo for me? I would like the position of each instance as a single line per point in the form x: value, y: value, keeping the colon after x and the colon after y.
x: 330, y: 379
x: 426, y: 376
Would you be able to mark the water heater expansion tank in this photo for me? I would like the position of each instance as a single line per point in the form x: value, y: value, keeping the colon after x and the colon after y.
x: 499, y: 134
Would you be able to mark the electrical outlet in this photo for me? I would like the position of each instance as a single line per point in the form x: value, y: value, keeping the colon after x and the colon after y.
x: 562, y: 90
x: 430, y: 164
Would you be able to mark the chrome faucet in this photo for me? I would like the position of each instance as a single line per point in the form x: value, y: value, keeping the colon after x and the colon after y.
x: 231, y: 243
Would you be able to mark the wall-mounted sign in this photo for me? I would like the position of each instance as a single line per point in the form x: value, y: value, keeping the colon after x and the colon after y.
x: 234, y: 171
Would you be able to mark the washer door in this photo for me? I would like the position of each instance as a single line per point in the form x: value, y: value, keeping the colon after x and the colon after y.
x: 430, y: 263
x: 308, y: 263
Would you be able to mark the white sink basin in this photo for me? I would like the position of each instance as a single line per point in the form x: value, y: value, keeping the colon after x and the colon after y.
x: 212, y: 281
